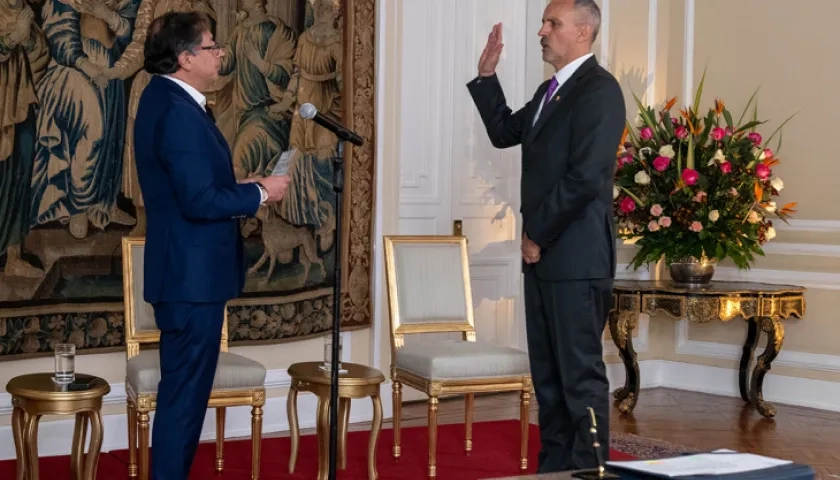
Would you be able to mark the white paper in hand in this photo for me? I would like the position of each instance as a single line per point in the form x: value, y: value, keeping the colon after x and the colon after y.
x: 282, y: 166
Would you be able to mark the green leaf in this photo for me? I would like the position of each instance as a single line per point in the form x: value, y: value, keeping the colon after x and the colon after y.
x: 632, y: 133
x: 645, y: 114
x: 766, y: 142
x: 728, y: 117
x: 699, y: 93
x: 750, y: 126
x: 747, y: 106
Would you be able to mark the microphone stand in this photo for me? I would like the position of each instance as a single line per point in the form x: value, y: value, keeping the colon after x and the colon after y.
x: 338, y: 188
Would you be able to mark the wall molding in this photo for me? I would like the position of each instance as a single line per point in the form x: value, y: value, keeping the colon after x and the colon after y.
x: 792, y: 359
x: 803, y: 225
x: 778, y: 389
x: 653, y: 19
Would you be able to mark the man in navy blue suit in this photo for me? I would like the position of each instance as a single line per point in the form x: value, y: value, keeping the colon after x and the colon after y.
x: 193, y: 259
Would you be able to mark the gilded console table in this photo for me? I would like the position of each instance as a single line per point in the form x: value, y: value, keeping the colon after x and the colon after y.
x: 763, y: 305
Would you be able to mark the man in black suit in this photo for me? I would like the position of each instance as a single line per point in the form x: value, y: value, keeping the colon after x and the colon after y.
x: 569, y: 134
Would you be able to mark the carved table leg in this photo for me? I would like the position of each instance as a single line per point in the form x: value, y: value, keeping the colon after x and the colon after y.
x: 746, y: 358
x: 775, y: 337
x: 18, y: 422
x: 621, y: 329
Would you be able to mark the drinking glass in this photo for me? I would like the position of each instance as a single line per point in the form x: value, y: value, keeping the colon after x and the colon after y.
x: 65, y: 363
x: 327, y: 365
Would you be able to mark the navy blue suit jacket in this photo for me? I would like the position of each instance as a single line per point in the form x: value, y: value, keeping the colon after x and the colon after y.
x: 193, y: 201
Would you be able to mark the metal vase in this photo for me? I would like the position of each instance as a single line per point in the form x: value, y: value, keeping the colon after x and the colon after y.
x: 691, y: 271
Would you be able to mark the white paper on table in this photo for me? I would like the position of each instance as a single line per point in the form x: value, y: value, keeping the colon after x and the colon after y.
x: 721, y: 462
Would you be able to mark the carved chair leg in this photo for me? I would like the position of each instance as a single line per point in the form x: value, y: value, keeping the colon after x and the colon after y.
x: 468, y: 420
x: 524, y: 420
x: 143, y: 440
x: 256, y: 440
x: 397, y: 398
x: 433, y: 412
x: 220, y: 438
x: 132, y: 439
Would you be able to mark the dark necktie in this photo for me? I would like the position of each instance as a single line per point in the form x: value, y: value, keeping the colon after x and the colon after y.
x: 550, y: 91
x: 210, y: 113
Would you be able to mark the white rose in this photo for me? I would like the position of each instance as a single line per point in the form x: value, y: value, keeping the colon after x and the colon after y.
x: 615, y: 192
x: 642, y: 178
x: 754, y: 217
x: 770, y: 234
x: 667, y: 151
x: 714, y: 215
x: 771, y: 207
x: 758, y: 153
x: 777, y: 183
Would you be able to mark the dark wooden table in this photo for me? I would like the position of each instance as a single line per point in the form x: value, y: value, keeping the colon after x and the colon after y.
x: 763, y: 305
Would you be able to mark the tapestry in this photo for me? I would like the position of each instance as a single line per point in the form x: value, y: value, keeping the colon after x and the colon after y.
x: 70, y: 81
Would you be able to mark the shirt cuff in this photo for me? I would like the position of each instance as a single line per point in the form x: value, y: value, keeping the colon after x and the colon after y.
x: 263, y: 193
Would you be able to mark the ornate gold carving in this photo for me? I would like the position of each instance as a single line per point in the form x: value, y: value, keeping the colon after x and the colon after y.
x: 702, y: 310
x: 671, y: 305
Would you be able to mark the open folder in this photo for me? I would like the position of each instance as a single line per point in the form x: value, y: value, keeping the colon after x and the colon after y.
x: 720, y: 464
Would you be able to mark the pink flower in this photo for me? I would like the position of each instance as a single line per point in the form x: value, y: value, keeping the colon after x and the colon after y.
x: 700, y: 196
x: 624, y: 160
x: 717, y: 134
x: 656, y: 210
x: 673, y: 121
x: 665, y: 221
x: 627, y: 205
x: 728, y: 131
x: 762, y: 171
x: 661, y: 163
x: 646, y: 133
x: 725, y: 167
x: 733, y: 192
x: 681, y: 132
x: 768, y: 153
x: 696, y: 226
x: 755, y: 137
x: 653, y: 226
x: 690, y: 176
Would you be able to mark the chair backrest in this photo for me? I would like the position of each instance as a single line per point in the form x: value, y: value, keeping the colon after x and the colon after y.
x: 429, y: 289
x: 140, y: 326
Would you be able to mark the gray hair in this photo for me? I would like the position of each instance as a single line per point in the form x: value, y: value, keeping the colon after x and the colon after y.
x: 591, y: 15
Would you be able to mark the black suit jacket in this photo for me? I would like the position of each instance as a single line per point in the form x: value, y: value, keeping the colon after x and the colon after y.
x: 568, y: 164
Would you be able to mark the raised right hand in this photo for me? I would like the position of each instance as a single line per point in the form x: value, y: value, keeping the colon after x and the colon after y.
x: 492, y: 52
x: 275, y: 186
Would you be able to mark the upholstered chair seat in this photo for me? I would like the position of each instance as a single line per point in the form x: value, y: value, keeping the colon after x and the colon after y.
x: 456, y: 359
x: 234, y: 372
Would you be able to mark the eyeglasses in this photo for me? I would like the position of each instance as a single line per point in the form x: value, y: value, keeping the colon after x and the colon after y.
x: 215, y: 48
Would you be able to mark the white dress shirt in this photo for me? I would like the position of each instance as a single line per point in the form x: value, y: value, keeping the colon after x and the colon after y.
x: 201, y: 100
x: 562, y: 75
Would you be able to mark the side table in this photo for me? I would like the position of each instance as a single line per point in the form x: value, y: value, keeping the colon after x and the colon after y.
x: 359, y: 382
x: 35, y: 395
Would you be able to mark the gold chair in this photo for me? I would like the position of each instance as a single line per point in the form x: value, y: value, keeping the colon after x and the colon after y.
x: 429, y: 292
x: 239, y: 381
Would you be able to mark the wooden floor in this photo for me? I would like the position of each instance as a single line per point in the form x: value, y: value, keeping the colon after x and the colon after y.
x: 692, y: 419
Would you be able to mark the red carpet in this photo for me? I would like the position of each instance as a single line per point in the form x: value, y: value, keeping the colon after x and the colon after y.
x: 495, y: 454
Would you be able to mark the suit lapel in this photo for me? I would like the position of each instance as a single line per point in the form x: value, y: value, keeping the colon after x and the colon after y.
x: 558, y: 97
x: 207, y: 114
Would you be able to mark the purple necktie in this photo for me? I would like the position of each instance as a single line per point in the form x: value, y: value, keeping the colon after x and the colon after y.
x: 551, y: 86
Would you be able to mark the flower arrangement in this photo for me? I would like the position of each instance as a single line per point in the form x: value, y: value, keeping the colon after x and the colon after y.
x: 699, y: 188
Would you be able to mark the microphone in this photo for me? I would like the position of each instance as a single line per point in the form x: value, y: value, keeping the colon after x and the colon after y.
x: 309, y: 112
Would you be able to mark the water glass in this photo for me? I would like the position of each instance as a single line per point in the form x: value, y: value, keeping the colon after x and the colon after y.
x: 327, y: 365
x: 65, y: 363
